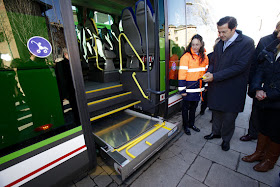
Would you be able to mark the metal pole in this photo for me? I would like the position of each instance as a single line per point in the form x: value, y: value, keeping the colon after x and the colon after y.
x: 76, y: 69
x: 147, y: 48
x: 167, y: 55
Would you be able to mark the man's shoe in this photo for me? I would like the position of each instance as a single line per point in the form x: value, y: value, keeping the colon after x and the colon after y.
x: 211, y: 136
x: 195, y: 129
x: 225, y: 146
x: 187, y: 131
x: 247, y: 138
x: 211, y: 121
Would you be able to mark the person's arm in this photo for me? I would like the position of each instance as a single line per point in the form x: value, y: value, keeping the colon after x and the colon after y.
x: 242, y: 62
x: 257, y: 80
x: 183, y: 69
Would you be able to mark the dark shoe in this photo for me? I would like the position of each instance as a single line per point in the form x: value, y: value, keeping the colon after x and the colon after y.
x: 211, y: 121
x: 247, y: 138
x: 225, y: 146
x: 211, y: 136
x: 187, y: 131
x: 202, y: 112
x: 195, y: 129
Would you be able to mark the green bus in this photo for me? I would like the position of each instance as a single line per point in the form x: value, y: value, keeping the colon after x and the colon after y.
x: 81, y: 76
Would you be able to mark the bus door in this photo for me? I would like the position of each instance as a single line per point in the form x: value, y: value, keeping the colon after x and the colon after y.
x: 40, y: 126
x: 121, y: 74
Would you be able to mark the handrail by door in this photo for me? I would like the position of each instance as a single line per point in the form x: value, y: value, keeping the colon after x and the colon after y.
x: 135, y: 52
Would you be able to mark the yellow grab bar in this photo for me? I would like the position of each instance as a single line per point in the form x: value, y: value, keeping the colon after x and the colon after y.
x: 148, y: 143
x: 120, y: 51
x: 96, y: 52
x: 135, y: 142
x: 139, y: 87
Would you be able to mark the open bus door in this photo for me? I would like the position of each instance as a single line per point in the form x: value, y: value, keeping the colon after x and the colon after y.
x: 44, y: 136
x: 120, y: 54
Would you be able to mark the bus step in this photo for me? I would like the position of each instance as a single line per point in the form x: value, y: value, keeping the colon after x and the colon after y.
x: 105, y: 101
x: 113, y: 109
x: 96, y: 90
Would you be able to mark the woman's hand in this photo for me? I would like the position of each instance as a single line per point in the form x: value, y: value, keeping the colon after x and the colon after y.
x: 184, y: 94
x: 260, y: 95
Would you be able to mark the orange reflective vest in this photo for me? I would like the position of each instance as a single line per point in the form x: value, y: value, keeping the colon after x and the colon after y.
x: 190, y: 70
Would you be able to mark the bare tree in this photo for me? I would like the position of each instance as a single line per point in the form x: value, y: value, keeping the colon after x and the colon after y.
x: 25, y: 18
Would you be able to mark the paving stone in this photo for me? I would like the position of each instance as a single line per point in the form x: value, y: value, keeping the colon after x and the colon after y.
x: 215, y: 153
x: 113, y: 185
x: 187, y: 156
x: 85, y: 182
x: 108, y: 169
x: 71, y: 185
x: 116, y: 177
x: 220, y: 176
x: 189, y: 181
x: 97, y: 172
x: 161, y: 173
x: 239, y: 146
x: 264, y: 185
x: 103, y: 180
x: 276, y: 183
x: 199, y: 168
x: 268, y: 178
x: 100, y: 161
x: 142, y: 168
x: 193, y: 147
x: 278, y: 162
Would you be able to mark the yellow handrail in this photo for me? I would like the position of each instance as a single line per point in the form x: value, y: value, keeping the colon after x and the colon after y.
x: 120, y: 51
x: 96, y: 52
x: 142, y: 138
x: 139, y: 87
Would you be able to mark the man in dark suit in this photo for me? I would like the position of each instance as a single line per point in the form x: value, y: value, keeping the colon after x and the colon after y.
x: 254, y: 118
x: 227, y: 77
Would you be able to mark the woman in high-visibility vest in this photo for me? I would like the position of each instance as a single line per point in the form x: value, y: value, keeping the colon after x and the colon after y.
x: 193, y: 65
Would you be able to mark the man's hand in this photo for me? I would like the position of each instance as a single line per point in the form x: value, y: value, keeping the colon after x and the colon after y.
x: 260, y: 95
x: 208, y: 77
x: 184, y: 94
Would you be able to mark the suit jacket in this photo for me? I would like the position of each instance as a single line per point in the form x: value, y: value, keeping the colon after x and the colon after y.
x: 230, y: 70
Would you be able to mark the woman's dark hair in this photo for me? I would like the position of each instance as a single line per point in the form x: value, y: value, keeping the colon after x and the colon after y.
x: 201, y: 50
x: 232, y: 22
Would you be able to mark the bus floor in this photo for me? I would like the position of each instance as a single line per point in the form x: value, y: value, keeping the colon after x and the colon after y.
x: 193, y: 161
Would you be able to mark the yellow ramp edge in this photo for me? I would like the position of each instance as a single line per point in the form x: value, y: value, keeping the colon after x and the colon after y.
x: 109, y: 98
x: 101, y: 89
x: 114, y: 111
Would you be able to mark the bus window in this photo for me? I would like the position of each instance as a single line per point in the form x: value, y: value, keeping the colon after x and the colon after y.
x: 177, y: 32
x: 37, y: 97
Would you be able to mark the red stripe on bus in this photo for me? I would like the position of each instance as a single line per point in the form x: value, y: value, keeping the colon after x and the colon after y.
x: 174, y: 101
x: 45, y: 166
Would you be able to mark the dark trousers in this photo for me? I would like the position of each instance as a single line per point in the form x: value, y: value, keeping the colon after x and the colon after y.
x: 254, y: 122
x: 224, y: 124
x: 188, y: 112
x: 204, y: 103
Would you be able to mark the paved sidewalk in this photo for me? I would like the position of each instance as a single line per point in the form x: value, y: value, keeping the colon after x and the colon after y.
x: 193, y: 161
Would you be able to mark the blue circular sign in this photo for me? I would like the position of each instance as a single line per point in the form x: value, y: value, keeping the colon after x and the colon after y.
x: 39, y: 46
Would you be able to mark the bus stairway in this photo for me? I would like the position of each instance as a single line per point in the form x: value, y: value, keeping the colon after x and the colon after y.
x: 125, y: 138
x: 109, y: 100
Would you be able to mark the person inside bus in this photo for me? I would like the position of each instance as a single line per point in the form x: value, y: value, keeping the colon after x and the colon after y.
x: 265, y: 87
x: 65, y: 84
x: 254, y: 118
x: 193, y: 65
x: 227, y: 77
